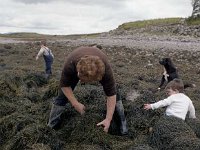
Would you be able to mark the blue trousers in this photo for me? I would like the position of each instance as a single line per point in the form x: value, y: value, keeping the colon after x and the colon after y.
x: 48, y: 62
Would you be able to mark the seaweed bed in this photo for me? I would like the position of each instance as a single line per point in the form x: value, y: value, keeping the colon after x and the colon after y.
x: 26, y: 96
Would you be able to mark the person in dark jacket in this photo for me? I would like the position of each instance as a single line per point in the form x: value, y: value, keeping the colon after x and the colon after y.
x: 87, y: 64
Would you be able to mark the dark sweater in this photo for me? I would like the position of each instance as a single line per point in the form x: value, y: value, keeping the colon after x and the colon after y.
x: 69, y: 76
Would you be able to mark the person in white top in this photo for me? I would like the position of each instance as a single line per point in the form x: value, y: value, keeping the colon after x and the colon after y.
x: 178, y: 104
x: 48, y: 57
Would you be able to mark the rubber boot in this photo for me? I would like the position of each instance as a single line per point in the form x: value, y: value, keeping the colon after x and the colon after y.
x: 55, y: 116
x: 119, y: 109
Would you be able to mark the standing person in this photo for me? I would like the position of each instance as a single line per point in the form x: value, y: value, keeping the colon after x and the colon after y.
x: 48, y: 57
x: 87, y: 64
x: 178, y: 104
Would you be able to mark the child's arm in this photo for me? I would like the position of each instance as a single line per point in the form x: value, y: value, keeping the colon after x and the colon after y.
x: 41, y: 51
x: 191, y: 110
x: 161, y: 103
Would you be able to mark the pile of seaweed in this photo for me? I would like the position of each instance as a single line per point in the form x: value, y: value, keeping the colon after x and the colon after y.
x: 26, y: 98
x: 25, y: 106
x: 173, y: 133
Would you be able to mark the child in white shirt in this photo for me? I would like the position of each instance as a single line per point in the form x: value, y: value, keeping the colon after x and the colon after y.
x: 178, y: 104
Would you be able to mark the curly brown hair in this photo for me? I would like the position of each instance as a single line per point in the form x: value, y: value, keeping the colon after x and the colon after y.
x: 176, y: 84
x: 90, y: 68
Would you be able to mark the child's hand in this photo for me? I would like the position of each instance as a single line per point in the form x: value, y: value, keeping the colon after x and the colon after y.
x: 147, y: 106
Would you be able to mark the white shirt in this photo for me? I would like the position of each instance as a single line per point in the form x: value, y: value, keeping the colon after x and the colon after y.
x: 177, y: 105
x: 44, y: 51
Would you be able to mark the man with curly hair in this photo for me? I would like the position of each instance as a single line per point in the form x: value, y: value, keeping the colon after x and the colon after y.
x: 87, y: 64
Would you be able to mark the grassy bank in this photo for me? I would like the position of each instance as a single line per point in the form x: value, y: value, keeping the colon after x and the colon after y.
x: 153, y: 22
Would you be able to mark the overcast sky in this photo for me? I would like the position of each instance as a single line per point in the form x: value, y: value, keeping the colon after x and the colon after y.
x: 83, y: 16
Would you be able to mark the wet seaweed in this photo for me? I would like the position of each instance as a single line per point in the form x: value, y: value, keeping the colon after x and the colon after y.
x: 195, y: 125
x: 26, y: 97
x: 167, y: 129
x: 184, y: 143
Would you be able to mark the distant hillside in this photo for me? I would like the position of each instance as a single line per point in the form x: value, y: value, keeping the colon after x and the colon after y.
x: 36, y: 36
x: 24, y: 34
x: 176, y: 26
x: 149, y: 23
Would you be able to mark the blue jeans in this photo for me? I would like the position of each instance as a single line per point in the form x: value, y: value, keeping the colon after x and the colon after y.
x: 48, y: 62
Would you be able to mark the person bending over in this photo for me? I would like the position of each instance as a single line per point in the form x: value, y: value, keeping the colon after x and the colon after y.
x: 87, y: 64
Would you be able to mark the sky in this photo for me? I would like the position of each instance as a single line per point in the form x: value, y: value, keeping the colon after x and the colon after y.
x: 64, y: 17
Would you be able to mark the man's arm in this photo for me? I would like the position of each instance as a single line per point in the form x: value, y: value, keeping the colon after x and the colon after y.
x: 111, y: 102
x: 74, y: 102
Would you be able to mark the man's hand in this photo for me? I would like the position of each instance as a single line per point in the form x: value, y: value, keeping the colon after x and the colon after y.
x: 77, y: 105
x: 147, y: 106
x: 80, y: 108
x: 106, y: 124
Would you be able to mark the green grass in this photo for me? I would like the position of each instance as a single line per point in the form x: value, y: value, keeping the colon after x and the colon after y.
x: 74, y: 36
x: 146, y: 23
x: 193, y: 20
x: 24, y: 35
